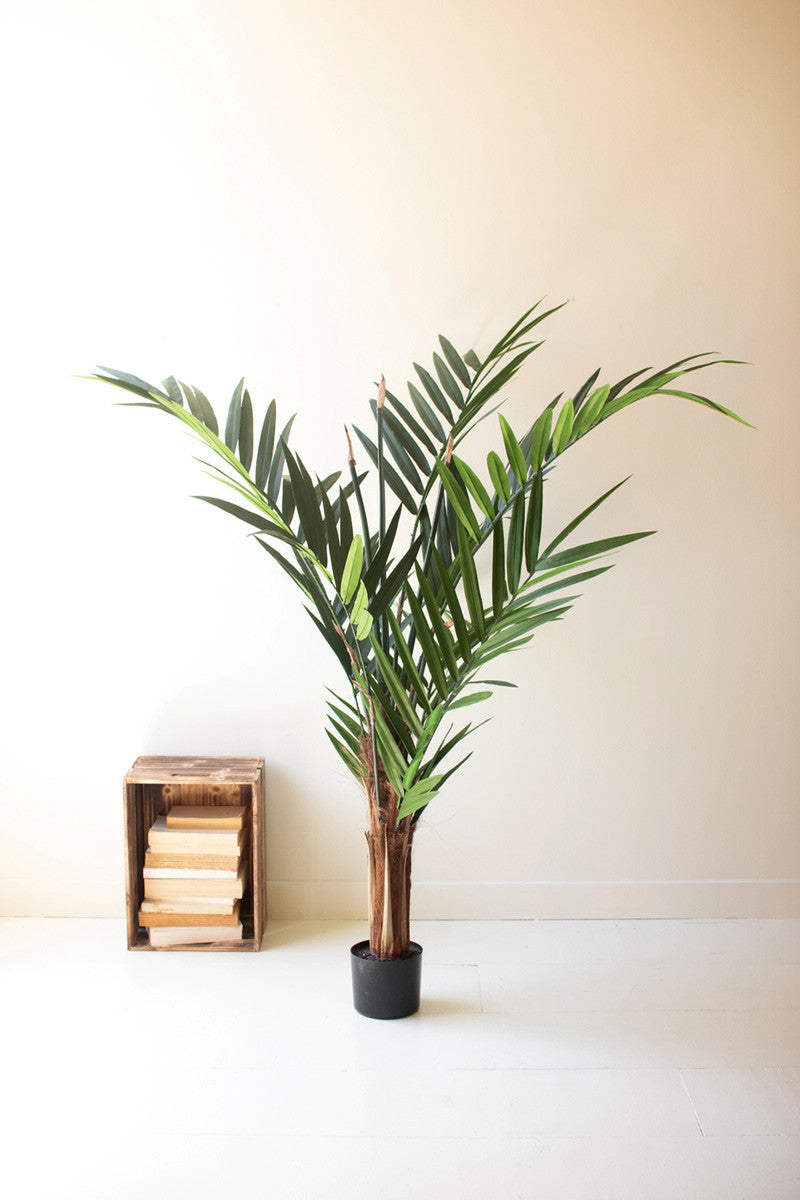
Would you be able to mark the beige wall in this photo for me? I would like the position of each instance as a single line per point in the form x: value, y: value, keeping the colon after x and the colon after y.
x: 307, y: 194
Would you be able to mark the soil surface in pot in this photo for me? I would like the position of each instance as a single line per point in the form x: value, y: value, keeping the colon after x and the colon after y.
x: 366, y: 954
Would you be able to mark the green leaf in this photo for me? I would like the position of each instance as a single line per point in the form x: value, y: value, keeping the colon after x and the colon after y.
x: 656, y: 385
x: 435, y: 393
x: 364, y: 625
x: 720, y: 408
x: 419, y: 795
x: 404, y: 439
x: 397, y: 450
x: 496, y: 383
x: 429, y: 648
x: 450, y: 744
x: 238, y: 484
x: 396, y: 689
x: 246, y: 432
x: 345, y: 520
x: 407, y: 660
x: 563, y: 429
x: 234, y: 417
x: 498, y: 570
x: 276, y: 466
x: 591, y: 549
x: 392, y: 478
x: 451, y: 599
x: 474, y: 698
x: 583, y: 391
x: 348, y: 704
x: 403, y: 736
x: 453, y: 770
x: 623, y: 383
x: 428, y: 783
x: 392, y: 760
x: 568, y: 529
x: 335, y: 549
x: 353, y: 765
x: 499, y: 476
x: 516, y: 535
x: 411, y: 424
x: 359, y: 603
x: 513, y: 635
x: 540, y: 438
x: 331, y: 637
x: 455, y: 360
x: 590, y: 413
x: 257, y: 520
x: 172, y: 387
x: 427, y: 414
x: 618, y: 403
x: 395, y: 579
x: 347, y: 736
x: 660, y: 376
x: 472, y: 360
x: 265, y: 445
x: 201, y: 408
x: 349, y: 717
x: 565, y: 580
x: 509, y: 336
x: 469, y: 576
x: 291, y: 570
x: 434, y: 718
x: 474, y: 486
x: 287, y: 501
x: 380, y: 558
x: 439, y: 628
x: 414, y: 765
x: 307, y: 507
x: 533, y: 527
x: 448, y: 382
x: 458, y: 500
x: 352, y: 568
x: 448, y: 528
x: 516, y: 458
x: 134, y: 383
x: 507, y: 649
x: 520, y: 328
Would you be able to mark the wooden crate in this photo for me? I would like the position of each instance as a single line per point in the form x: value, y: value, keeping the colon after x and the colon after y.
x: 152, y: 786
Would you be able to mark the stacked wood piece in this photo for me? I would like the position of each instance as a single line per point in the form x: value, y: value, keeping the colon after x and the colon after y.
x: 194, y: 876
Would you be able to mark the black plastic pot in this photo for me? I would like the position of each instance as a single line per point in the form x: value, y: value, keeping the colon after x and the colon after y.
x: 385, y: 988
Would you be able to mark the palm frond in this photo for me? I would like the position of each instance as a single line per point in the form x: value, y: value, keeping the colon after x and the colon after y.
x: 400, y: 603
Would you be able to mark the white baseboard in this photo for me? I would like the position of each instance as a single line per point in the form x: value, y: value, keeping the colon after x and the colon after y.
x: 471, y: 901
x: 528, y: 901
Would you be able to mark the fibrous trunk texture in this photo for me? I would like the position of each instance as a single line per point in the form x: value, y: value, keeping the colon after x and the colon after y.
x: 389, y: 850
x: 389, y: 891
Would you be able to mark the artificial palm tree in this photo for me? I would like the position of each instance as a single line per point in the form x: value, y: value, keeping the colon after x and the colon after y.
x: 397, y: 597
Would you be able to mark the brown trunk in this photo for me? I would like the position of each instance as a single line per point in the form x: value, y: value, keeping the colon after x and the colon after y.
x: 389, y: 891
x: 389, y: 851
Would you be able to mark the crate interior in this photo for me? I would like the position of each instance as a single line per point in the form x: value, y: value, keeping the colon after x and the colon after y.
x: 146, y: 801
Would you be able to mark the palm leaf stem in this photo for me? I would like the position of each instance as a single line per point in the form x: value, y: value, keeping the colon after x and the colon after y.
x: 362, y: 512
x: 383, y: 632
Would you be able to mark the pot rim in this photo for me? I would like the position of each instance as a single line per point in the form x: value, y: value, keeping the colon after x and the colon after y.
x: 415, y: 949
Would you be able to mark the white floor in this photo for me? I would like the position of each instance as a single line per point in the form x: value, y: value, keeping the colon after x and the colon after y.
x: 644, y: 1060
